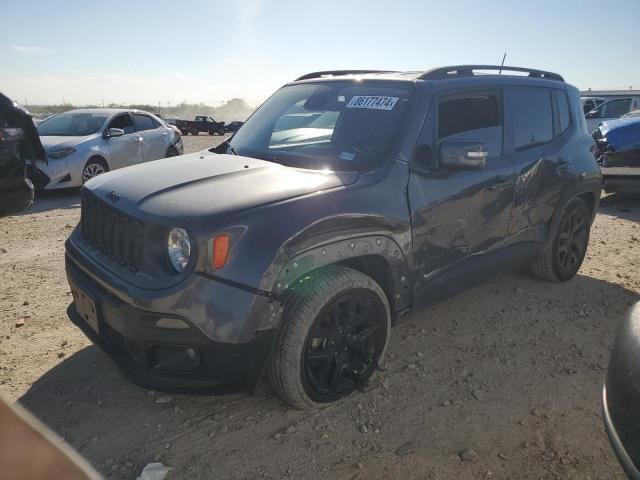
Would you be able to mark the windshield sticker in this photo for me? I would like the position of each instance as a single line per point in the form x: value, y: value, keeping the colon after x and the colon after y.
x: 347, y: 156
x: 372, y: 102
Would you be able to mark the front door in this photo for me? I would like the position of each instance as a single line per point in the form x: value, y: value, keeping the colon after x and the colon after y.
x: 127, y: 149
x: 459, y: 216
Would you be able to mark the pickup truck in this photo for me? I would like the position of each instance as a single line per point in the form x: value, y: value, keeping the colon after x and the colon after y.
x: 201, y: 123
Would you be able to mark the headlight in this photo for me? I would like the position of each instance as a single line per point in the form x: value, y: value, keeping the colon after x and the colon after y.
x: 65, y: 152
x: 179, y: 248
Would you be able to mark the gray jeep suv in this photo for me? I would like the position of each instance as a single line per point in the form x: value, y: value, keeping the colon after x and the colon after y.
x: 347, y: 200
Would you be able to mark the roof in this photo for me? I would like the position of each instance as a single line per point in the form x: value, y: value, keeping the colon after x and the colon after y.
x: 108, y: 111
x: 442, y: 73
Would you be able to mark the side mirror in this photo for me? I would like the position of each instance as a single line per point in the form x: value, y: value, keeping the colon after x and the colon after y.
x: 462, y: 155
x: 113, y: 132
x: 592, y: 114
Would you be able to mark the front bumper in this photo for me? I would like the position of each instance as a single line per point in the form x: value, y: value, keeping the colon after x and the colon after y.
x: 52, y: 175
x: 142, y: 350
x: 179, y: 146
x: 625, y: 460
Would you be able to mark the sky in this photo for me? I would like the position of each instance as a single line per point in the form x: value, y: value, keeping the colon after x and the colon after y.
x: 86, y: 52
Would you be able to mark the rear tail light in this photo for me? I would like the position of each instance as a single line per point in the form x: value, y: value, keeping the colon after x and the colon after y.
x: 176, y: 134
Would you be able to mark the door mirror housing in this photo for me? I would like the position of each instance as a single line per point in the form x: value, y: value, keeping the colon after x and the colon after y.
x: 113, y: 132
x: 593, y: 114
x: 462, y: 155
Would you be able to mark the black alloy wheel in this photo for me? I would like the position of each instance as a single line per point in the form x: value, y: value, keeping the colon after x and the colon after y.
x: 344, y: 345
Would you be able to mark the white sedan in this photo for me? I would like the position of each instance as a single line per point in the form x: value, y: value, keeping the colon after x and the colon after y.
x: 83, y: 143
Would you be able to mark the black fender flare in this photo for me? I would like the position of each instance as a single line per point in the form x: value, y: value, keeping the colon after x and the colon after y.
x: 342, y: 251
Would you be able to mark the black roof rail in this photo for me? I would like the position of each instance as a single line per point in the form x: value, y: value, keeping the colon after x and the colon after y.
x: 335, y: 73
x: 467, y: 71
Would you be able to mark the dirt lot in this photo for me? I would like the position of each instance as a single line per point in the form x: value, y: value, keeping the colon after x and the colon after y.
x: 511, y: 371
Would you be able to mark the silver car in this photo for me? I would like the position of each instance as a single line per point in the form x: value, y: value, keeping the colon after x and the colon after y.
x: 83, y: 143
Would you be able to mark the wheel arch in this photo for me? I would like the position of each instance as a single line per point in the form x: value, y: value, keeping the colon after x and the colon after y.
x: 98, y: 156
x: 377, y: 256
x: 586, y: 192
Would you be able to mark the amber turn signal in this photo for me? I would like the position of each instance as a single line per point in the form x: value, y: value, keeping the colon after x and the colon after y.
x: 220, y: 250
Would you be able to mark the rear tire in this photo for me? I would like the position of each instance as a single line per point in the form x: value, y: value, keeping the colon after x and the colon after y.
x: 95, y: 166
x: 334, y: 335
x: 195, y: 131
x: 561, y: 259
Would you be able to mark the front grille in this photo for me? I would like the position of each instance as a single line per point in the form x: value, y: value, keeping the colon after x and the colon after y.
x: 110, y: 231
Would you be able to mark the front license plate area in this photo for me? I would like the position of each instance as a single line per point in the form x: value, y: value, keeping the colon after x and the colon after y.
x: 86, y: 307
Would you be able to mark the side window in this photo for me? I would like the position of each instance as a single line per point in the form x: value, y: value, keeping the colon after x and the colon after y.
x: 562, y: 103
x: 144, y: 122
x: 616, y: 108
x: 475, y: 117
x: 124, y: 122
x: 532, y: 117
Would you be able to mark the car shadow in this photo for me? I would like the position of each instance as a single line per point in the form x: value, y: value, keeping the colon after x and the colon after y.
x: 46, y: 200
x: 621, y: 206
x: 565, y: 331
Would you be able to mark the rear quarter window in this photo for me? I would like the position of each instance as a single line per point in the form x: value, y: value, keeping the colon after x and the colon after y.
x: 564, y: 118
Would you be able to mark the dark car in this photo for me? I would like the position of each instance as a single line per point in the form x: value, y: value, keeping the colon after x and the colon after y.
x: 19, y: 142
x: 293, y: 247
x: 232, y: 127
x: 621, y: 395
x: 618, y: 154
x: 201, y: 123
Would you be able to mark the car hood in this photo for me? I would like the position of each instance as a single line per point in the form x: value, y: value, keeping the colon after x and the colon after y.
x: 621, y: 133
x: 206, y: 184
x: 53, y: 143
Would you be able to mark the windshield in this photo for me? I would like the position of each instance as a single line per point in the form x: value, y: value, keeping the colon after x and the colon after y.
x: 341, y: 126
x: 72, y: 124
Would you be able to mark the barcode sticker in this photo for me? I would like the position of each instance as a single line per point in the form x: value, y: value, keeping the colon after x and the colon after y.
x: 372, y: 102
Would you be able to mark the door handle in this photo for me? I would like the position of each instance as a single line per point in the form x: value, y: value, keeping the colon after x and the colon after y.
x: 499, y: 183
x: 164, y: 134
x: 138, y: 140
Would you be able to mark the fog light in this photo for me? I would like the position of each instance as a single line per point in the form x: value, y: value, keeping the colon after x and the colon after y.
x: 174, y: 358
x: 171, y: 323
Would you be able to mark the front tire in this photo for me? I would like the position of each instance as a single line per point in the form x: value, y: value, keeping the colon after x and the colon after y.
x: 561, y: 260
x: 171, y: 152
x: 335, y: 330
x: 95, y: 166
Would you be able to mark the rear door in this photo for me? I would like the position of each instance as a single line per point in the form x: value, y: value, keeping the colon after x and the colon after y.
x: 536, y: 141
x: 156, y: 137
x: 460, y: 215
x: 127, y: 149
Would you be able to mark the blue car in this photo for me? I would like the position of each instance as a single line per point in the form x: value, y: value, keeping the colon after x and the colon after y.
x: 618, y: 154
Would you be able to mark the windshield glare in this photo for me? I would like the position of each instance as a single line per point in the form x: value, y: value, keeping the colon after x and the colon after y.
x: 70, y: 124
x: 341, y: 126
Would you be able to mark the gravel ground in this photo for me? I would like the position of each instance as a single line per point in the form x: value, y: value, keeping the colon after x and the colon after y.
x: 502, y: 381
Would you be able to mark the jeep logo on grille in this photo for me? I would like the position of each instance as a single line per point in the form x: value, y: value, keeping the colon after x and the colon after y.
x: 113, y: 196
